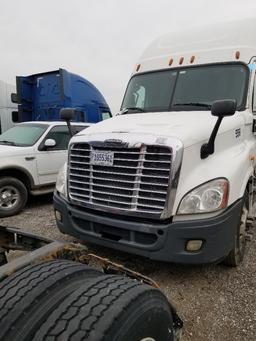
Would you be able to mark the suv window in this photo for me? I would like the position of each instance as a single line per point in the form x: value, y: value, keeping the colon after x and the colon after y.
x: 23, y: 134
x: 60, y: 135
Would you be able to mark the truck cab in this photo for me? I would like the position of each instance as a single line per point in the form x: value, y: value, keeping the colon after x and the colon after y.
x: 41, y: 96
x: 165, y: 178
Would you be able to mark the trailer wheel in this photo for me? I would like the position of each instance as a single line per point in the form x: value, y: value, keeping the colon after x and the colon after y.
x: 113, y: 308
x: 13, y: 196
x: 236, y: 255
x: 28, y: 296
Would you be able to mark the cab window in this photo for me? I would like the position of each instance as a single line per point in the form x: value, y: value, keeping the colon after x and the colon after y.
x: 105, y: 115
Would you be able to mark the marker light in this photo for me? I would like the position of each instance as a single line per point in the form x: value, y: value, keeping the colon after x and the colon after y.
x: 192, y: 59
x: 181, y: 60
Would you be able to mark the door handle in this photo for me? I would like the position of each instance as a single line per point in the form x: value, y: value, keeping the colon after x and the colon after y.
x: 29, y: 158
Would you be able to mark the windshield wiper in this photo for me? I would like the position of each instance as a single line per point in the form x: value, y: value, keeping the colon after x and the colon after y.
x: 128, y: 109
x: 10, y: 143
x: 194, y: 104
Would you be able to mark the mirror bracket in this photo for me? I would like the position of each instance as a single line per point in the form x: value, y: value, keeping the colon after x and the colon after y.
x: 68, y: 114
x: 220, y: 109
x: 208, y: 148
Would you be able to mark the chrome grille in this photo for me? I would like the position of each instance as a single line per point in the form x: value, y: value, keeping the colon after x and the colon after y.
x: 137, y: 182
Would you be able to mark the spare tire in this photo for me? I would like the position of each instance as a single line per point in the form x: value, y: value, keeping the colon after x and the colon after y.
x: 28, y: 296
x: 110, y: 308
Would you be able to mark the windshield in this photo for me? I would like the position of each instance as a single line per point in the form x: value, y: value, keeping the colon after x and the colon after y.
x: 23, y: 134
x: 191, y: 88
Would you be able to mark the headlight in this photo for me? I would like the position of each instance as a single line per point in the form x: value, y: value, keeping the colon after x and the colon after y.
x: 61, y: 183
x: 209, y: 197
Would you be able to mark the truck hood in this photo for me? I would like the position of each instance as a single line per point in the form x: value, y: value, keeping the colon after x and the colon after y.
x: 189, y: 127
x: 12, y: 151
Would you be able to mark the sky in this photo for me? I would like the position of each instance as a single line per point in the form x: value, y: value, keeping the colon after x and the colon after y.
x: 101, y: 40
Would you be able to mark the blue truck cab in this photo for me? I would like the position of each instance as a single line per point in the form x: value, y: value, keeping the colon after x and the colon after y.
x: 41, y: 96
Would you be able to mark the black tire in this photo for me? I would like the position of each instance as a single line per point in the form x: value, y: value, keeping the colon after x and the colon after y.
x: 236, y: 255
x: 28, y: 296
x: 113, y: 308
x: 13, y: 196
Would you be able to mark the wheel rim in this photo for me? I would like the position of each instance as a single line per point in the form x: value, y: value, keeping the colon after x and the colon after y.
x: 148, y: 339
x: 9, y: 197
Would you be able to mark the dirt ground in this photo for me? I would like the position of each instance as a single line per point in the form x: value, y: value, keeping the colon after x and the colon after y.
x: 216, y: 303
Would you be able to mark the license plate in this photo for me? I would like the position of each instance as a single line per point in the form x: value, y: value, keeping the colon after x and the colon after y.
x: 102, y: 158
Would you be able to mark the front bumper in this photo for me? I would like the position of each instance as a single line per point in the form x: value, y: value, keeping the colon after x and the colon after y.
x: 158, y: 241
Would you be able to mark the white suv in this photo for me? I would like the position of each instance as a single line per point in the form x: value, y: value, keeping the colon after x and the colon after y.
x: 31, y: 155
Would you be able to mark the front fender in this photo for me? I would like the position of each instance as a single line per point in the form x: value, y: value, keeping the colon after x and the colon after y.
x: 232, y: 163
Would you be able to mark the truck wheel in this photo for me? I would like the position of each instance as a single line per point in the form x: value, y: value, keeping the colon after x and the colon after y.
x: 28, y: 296
x: 13, y: 196
x: 112, y: 308
x: 236, y: 255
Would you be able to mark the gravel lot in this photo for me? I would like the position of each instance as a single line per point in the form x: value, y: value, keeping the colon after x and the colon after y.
x: 215, y: 302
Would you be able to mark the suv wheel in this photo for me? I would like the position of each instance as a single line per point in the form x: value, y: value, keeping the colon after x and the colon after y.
x: 13, y: 196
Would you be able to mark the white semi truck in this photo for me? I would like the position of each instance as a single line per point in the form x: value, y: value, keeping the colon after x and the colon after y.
x: 8, y: 110
x: 170, y: 177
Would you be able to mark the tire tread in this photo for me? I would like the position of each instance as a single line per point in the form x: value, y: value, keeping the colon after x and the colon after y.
x: 20, y: 292
x: 88, y: 313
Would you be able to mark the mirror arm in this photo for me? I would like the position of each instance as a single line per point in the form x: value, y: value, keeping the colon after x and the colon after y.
x: 208, y: 148
x: 69, y: 128
x: 68, y: 114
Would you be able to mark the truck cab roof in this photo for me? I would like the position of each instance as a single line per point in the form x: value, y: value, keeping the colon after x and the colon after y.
x: 233, y: 41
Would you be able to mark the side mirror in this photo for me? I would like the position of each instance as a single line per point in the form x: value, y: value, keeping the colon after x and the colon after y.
x: 14, y: 98
x: 225, y: 107
x: 67, y: 114
x: 222, y: 108
x: 50, y: 143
